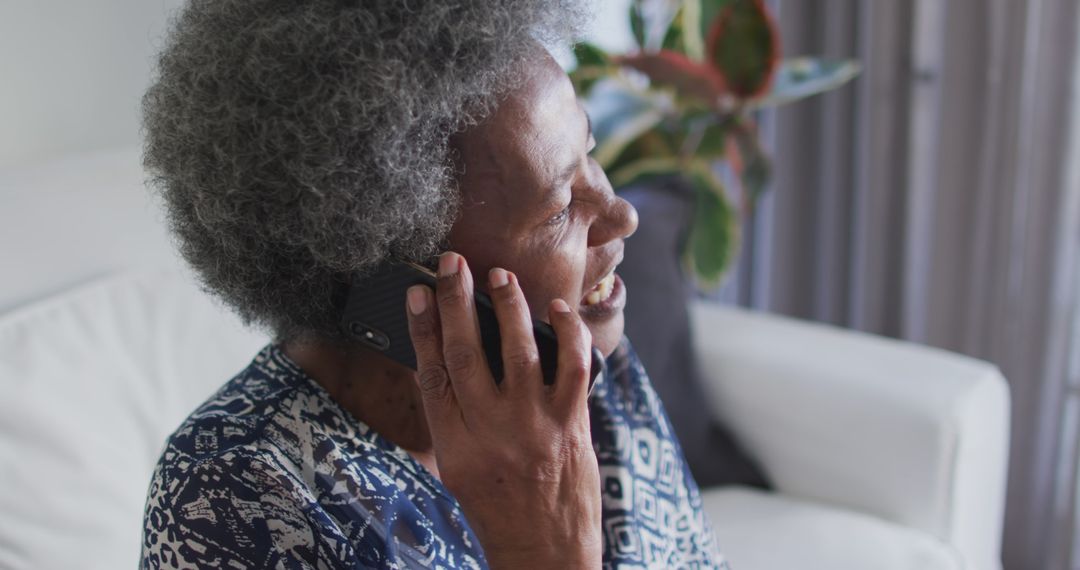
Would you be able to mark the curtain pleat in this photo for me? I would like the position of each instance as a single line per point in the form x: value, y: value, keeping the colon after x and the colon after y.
x: 937, y: 199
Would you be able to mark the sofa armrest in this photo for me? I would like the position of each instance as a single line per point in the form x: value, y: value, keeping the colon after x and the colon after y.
x: 911, y: 434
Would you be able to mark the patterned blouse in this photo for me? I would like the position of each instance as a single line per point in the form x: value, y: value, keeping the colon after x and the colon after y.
x: 271, y: 472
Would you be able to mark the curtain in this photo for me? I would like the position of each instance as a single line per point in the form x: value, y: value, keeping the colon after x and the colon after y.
x: 937, y: 199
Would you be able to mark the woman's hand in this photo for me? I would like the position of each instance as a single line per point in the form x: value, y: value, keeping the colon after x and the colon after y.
x: 518, y: 456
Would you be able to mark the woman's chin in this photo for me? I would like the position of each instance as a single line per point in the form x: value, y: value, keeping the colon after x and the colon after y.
x: 606, y: 337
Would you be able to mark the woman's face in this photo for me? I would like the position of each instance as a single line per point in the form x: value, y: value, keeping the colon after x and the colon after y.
x: 536, y: 204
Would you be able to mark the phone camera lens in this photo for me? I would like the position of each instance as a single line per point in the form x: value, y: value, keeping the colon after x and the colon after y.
x: 369, y: 336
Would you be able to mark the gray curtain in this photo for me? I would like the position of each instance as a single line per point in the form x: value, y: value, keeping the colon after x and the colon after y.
x: 937, y: 199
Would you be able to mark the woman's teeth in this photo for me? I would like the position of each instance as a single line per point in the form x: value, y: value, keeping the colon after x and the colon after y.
x: 602, y: 291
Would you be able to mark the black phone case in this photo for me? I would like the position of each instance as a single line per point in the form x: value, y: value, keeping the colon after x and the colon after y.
x: 375, y: 316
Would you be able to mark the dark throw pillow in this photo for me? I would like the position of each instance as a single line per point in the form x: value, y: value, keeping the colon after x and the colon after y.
x: 658, y: 325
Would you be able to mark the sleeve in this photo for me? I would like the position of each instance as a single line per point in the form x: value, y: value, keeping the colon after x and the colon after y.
x: 237, y: 511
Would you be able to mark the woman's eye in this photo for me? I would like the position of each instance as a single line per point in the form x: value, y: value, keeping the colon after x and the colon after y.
x: 560, y: 217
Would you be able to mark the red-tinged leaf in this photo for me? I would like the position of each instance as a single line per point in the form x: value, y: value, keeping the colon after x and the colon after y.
x: 744, y: 47
x: 710, y: 9
x: 671, y: 68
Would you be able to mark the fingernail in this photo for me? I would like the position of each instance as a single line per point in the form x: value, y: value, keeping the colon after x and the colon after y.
x: 417, y: 299
x: 498, y: 278
x: 560, y: 306
x: 448, y: 264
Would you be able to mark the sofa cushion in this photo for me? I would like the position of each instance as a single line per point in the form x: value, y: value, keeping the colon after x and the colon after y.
x: 759, y: 530
x: 93, y: 380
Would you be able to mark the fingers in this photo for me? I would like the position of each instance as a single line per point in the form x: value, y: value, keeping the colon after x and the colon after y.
x: 440, y: 403
x: 521, y: 360
x: 462, y: 352
x: 451, y: 364
x: 575, y: 356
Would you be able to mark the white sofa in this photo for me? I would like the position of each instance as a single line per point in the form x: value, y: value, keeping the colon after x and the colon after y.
x: 885, y: 455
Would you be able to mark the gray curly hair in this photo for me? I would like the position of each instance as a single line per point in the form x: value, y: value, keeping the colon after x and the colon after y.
x: 296, y: 143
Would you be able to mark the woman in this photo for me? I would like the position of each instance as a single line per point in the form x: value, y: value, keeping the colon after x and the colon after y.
x: 297, y: 144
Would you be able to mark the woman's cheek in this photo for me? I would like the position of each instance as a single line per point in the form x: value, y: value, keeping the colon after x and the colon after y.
x: 543, y: 287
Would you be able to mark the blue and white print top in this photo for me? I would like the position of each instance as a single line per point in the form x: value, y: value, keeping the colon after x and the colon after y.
x: 271, y: 472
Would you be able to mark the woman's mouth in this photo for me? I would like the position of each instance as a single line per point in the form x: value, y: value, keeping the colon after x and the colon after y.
x: 602, y: 291
x: 605, y: 299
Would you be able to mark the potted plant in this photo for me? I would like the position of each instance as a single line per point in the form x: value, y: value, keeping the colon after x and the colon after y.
x: 683, y: 105
x: 669, y: 119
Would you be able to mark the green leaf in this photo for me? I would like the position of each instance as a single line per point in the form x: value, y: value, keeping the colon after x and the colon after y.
x: 645, y: 169
x: 584, y: 78
x: 593, y: 64
x: 693, y: 40
x: 657, y: 142
x: 743, y: 45
x: 590, y: 55
x: 802, y: 77
x: 637, y: 23
x: 713, y: 240
x: 619, y: 114
x: 684, y: 33
x: 712, y: 143
x: 756, y: 169
x: 673, y: 37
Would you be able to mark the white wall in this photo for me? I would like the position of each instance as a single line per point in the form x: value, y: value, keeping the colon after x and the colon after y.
x: 72, y: 71
x: 611, y: 29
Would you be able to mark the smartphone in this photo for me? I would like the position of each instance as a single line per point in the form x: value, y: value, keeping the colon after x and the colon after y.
x: 375, y: 317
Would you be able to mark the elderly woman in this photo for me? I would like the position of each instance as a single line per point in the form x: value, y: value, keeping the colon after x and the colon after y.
x: 300, y: 144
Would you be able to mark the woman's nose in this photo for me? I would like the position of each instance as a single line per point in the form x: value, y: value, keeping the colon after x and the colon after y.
x: 626, y: 218
x: 617, y: 218
x: 618, y: 221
